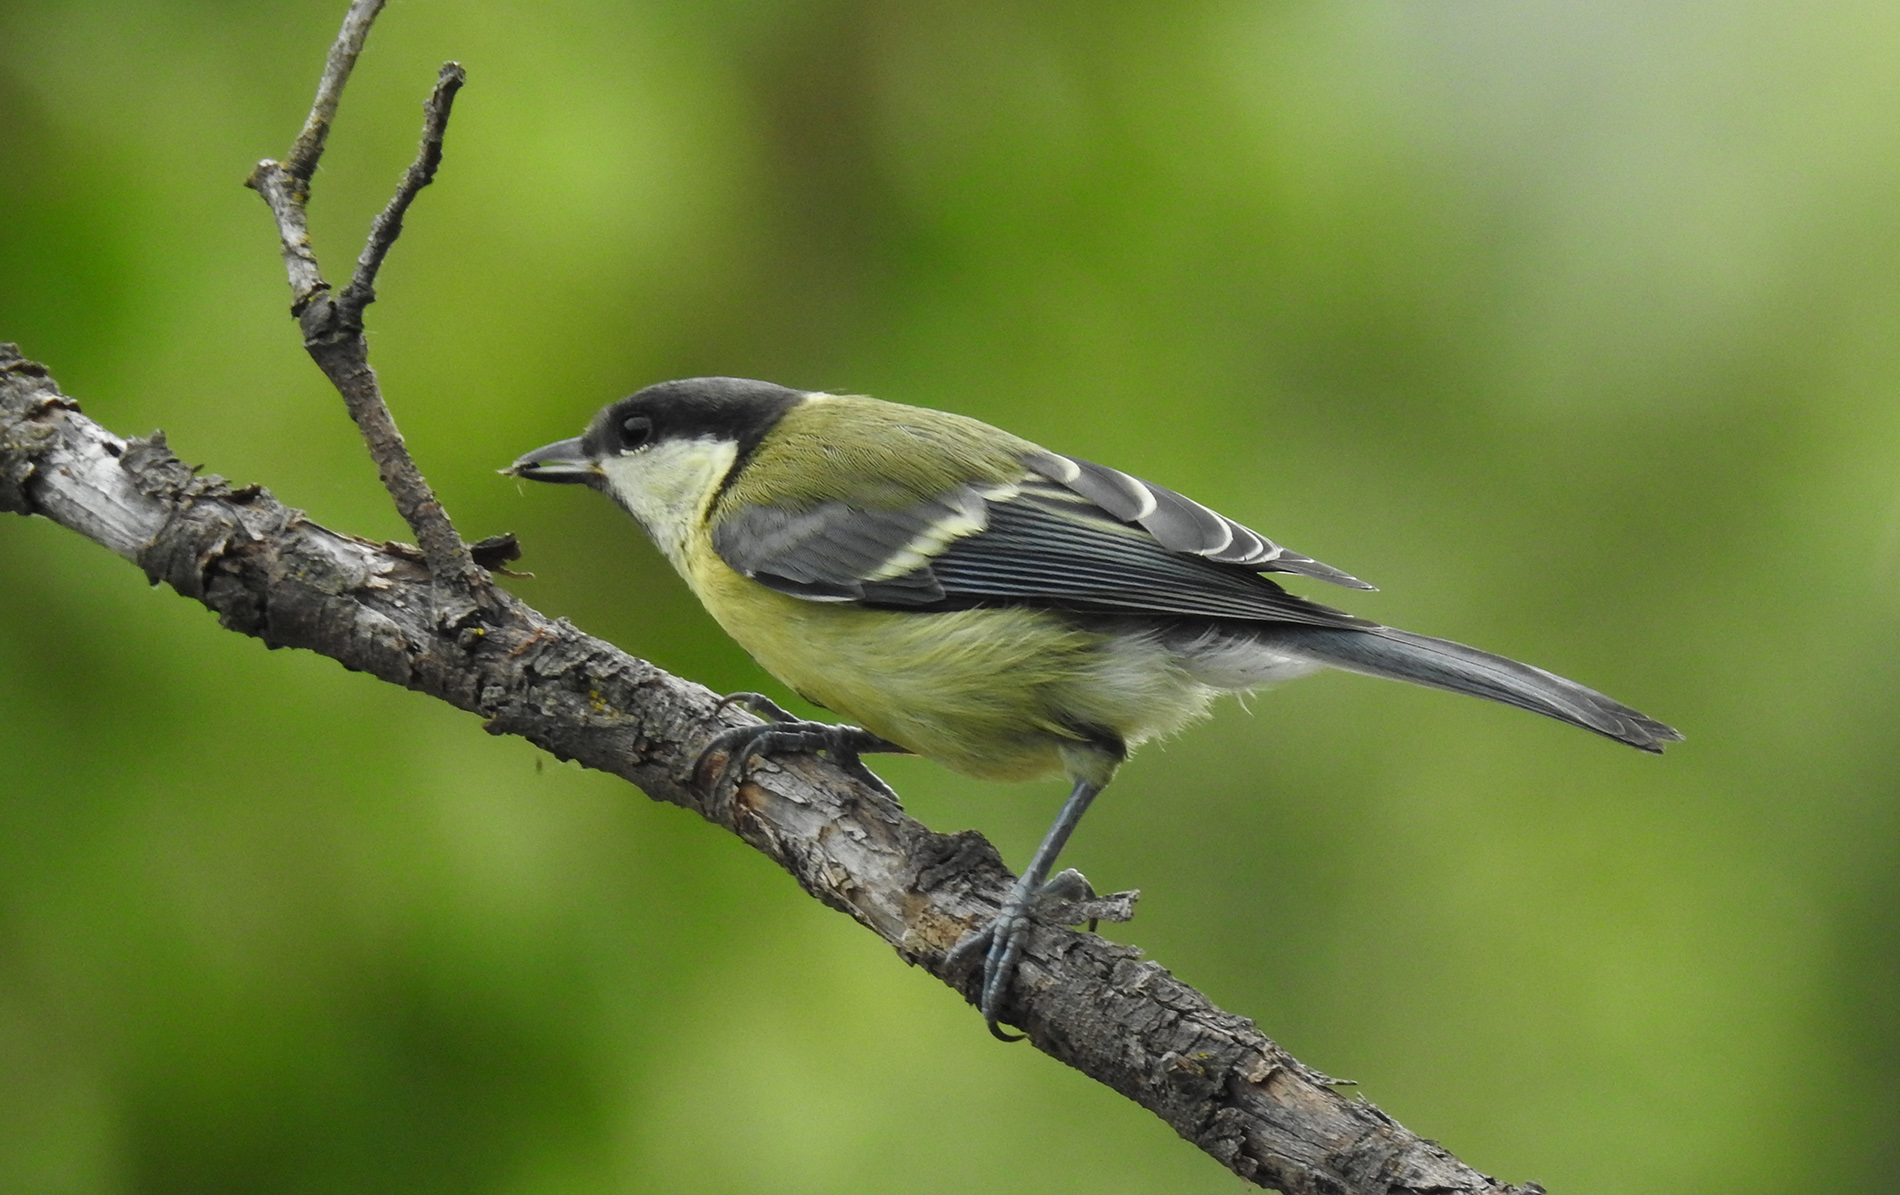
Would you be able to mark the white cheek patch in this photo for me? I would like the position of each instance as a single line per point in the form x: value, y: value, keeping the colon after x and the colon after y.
x: 666, y: 487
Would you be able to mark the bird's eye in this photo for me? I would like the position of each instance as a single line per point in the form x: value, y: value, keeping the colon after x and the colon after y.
x: 635, y: 431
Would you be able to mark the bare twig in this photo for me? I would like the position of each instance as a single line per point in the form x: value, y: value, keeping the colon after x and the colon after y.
x: 361, y: 291
x: 280, y: 189
x: 271, y: 573
x: 333, y: 328
x: 285, y: 185
x: 308, y: 148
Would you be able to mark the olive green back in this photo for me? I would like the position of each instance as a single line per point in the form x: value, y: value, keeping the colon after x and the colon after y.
x: 874, y: 454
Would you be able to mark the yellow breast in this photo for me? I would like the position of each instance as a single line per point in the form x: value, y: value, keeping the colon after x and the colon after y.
x: 1002, y: 693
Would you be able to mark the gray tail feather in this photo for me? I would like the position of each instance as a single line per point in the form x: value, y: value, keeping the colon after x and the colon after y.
x: 1442, y: 664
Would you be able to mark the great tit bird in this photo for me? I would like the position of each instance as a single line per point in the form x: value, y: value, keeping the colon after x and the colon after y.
x: 976, y: 599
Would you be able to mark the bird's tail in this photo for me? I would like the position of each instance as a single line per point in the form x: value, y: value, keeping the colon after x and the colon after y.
x: 1442, y: 664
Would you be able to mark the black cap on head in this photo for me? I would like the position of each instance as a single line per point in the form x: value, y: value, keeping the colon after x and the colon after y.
x: 736, y: 409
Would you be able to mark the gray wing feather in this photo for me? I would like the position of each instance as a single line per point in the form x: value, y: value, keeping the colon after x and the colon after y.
x: 832, y: 552
x: 1178, y: 521
x: 1037, y: 544
x: 1047, y: 547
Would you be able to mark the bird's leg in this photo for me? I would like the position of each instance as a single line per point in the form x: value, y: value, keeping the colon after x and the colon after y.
x: 784, y: 732
x: 1002, y: 940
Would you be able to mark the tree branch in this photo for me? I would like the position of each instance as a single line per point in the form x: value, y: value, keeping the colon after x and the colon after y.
x: 431, y: 620
x: 268, y: 571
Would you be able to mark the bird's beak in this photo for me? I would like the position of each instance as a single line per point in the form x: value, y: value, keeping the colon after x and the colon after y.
x: 564, y: 461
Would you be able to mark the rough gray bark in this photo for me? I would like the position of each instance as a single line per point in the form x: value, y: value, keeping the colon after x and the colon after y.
x: 431, y: 620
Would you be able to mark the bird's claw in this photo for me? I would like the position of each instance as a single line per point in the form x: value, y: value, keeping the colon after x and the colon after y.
x: 1067, y: 889
x: 785, y: 732
x: 757, y: 703
x: 1066, y: 899
x: 1069, y: 899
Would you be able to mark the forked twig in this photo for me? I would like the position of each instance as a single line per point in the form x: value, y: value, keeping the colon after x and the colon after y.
x: 333, y: 327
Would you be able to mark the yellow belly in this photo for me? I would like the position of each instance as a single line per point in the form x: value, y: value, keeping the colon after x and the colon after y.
x: 996, y: 693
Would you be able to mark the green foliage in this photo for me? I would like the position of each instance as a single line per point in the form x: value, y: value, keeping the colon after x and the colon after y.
x: 1571, y: 326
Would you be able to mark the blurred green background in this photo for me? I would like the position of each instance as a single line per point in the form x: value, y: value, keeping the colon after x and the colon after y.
x: 1572, y: 326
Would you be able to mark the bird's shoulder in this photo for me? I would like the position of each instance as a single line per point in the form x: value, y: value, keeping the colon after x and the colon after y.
x: 871, y: 455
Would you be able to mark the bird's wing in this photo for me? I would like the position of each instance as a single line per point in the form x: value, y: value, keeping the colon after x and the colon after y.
x: 1067, y: 535
x: 1179, y: 522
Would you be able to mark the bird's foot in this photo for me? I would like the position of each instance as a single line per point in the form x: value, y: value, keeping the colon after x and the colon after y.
x: 783, y: 731
x: 1067, y: 899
